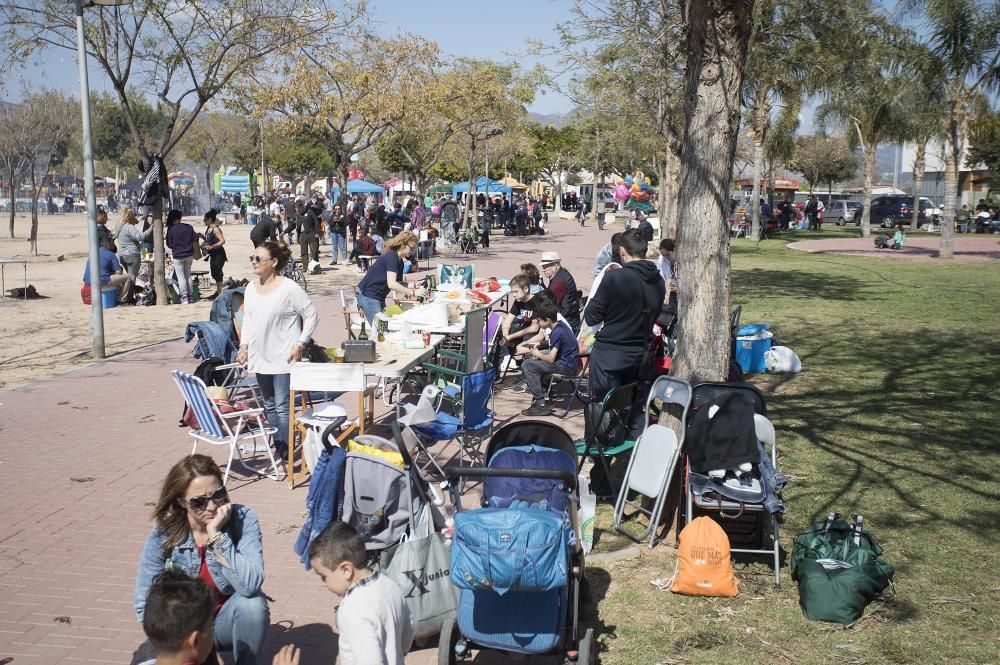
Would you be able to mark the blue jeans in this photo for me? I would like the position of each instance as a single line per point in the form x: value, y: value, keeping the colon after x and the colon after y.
x: 370, y: 307
x: 241, y: 626
x: 338, y: 242
x: 275, y: 390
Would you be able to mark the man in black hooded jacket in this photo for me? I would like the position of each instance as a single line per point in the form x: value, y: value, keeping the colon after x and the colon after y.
x: 627, y: 302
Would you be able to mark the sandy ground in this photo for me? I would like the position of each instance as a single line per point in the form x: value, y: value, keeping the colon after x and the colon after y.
x: 52, y: 335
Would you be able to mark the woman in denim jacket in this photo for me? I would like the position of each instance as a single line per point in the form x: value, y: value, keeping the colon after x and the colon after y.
x: 200, y: 533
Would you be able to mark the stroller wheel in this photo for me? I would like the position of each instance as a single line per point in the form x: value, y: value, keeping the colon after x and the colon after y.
x: 447, y: 642
x: 588, y: 649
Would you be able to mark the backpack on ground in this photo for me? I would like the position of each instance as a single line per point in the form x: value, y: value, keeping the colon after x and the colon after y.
x: 704, y: 566
x: 839, y: 570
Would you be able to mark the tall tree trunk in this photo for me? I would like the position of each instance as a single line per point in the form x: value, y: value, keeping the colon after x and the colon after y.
x: 159, y: 255
x: 209, y: 183
x: 672, y: 190
x: 597, y: 166
x: 344, y: 172
x: 866, y: 218
x: 33, y: 234
x: 758, y: 162
x: 470, y: 201
x: 13, y: 203
x: 919, y: 163
x: 716, y: 36
x: 947, y: 247
x: 758, y: 133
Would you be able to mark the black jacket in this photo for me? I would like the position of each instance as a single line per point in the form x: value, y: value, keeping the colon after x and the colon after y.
x: 308, y: 223
x: 620, y: 301
x: 567, y: 297
x: 725, y: 440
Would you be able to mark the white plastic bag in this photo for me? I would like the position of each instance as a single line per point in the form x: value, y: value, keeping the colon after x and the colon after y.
x: 782, y: 359
x: 588, y: 511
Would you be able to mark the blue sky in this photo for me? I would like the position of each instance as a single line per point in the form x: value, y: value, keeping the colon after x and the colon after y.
x: 480, y: 30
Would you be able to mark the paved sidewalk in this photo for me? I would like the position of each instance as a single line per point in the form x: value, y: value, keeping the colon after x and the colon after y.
x: 83, y: 456
x: 967, y: 247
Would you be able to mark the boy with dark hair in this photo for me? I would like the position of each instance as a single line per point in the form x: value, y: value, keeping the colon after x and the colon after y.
x: 374, y: 623
x: 561, y: 357
x: 178, y: 619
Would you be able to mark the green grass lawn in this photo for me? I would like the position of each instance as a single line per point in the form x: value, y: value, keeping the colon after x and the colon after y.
x: 895, y: 415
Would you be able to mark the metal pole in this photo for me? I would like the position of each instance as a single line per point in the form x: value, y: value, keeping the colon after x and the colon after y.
x: 96, y: 305
x: 263, y: 171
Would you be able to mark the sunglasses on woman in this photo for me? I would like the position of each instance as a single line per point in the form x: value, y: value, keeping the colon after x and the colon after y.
x: 256, y: 259
x: 199, y: 504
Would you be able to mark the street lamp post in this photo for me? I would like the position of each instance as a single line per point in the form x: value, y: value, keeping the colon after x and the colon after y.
x: 96, y: 304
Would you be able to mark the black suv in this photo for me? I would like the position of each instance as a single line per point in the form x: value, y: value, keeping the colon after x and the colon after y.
x: 893, y: 209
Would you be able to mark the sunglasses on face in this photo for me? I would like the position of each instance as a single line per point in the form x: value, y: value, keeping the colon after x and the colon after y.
x: 199, y: 503
x: 256, y: 259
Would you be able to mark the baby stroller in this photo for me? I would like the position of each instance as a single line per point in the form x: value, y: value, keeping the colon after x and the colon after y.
x: 384, y: 497
x: 517, y: 561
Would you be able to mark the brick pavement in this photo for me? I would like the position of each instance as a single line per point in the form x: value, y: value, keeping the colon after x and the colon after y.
x: 83, y: 456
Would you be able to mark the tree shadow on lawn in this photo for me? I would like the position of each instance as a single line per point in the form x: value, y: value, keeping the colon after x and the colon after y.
x: 915, y: 419
x: 757, y: 283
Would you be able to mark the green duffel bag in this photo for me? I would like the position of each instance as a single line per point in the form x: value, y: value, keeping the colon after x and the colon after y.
x: 839, y: 570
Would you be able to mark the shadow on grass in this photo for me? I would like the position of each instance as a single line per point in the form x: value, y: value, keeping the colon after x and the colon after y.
x: 909, y: 428
x: 751, y: 284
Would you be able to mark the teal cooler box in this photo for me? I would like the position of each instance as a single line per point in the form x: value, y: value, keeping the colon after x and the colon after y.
x: 752, y: 342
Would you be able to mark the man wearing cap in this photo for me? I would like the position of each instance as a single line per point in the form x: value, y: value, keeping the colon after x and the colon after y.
x: 563, y: 288
x: 627, y: 302
x: 308, y: 227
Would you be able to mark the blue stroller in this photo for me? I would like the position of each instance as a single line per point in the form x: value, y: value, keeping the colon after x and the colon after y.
x: 517, y: 561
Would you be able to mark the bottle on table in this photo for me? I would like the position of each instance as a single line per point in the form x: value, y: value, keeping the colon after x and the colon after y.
x: 363, y: 335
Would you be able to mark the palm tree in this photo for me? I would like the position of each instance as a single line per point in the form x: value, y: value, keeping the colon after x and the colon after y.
x: 868, y: 93
x: 964, y: 36
x: 777, y: 75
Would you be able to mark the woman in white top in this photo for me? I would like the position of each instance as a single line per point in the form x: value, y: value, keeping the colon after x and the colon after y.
x: 278, y: 319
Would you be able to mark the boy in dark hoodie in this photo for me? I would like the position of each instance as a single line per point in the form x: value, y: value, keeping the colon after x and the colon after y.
x: 627, y: 302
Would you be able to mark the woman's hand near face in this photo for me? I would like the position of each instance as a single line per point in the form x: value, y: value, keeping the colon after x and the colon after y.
x: 221, y: 517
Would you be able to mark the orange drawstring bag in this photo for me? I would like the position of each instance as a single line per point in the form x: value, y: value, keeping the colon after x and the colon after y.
x: 704, y: 567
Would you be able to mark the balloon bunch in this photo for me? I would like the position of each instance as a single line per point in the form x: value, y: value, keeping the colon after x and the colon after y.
x: 639, y: 191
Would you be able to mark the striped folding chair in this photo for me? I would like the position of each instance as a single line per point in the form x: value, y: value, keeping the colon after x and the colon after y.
x: 242, y: 430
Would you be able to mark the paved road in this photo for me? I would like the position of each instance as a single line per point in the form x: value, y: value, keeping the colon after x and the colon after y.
x: 83, y: 456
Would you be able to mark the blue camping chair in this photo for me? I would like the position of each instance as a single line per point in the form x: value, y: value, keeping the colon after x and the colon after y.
x: 243, y: 431
x: 465, y: 416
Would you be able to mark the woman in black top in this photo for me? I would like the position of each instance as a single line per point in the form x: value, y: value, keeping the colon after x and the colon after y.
x: 213, y: 247
x: 386, y: 275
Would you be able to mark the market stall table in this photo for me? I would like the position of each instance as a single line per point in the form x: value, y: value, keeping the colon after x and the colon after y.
x: 393, y: 361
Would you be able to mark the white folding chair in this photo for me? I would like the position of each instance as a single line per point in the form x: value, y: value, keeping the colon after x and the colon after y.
x: 217, y: 428
x: 654, y: 458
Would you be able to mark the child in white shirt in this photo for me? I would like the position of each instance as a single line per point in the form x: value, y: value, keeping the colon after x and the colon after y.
x: 374, y: 623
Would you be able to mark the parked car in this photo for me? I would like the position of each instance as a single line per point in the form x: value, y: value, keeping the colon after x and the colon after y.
x: 887, y: 211
x: 844, y: 212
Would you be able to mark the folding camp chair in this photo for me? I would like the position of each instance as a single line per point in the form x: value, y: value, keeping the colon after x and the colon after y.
x: 576, y: 380
x: 469, y: 354
x: 606, y: 431
x: 353, y: 316
x: 466, y: 416
x: 749, y: 525
x: 217, y: 428
x: 651, y: 467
